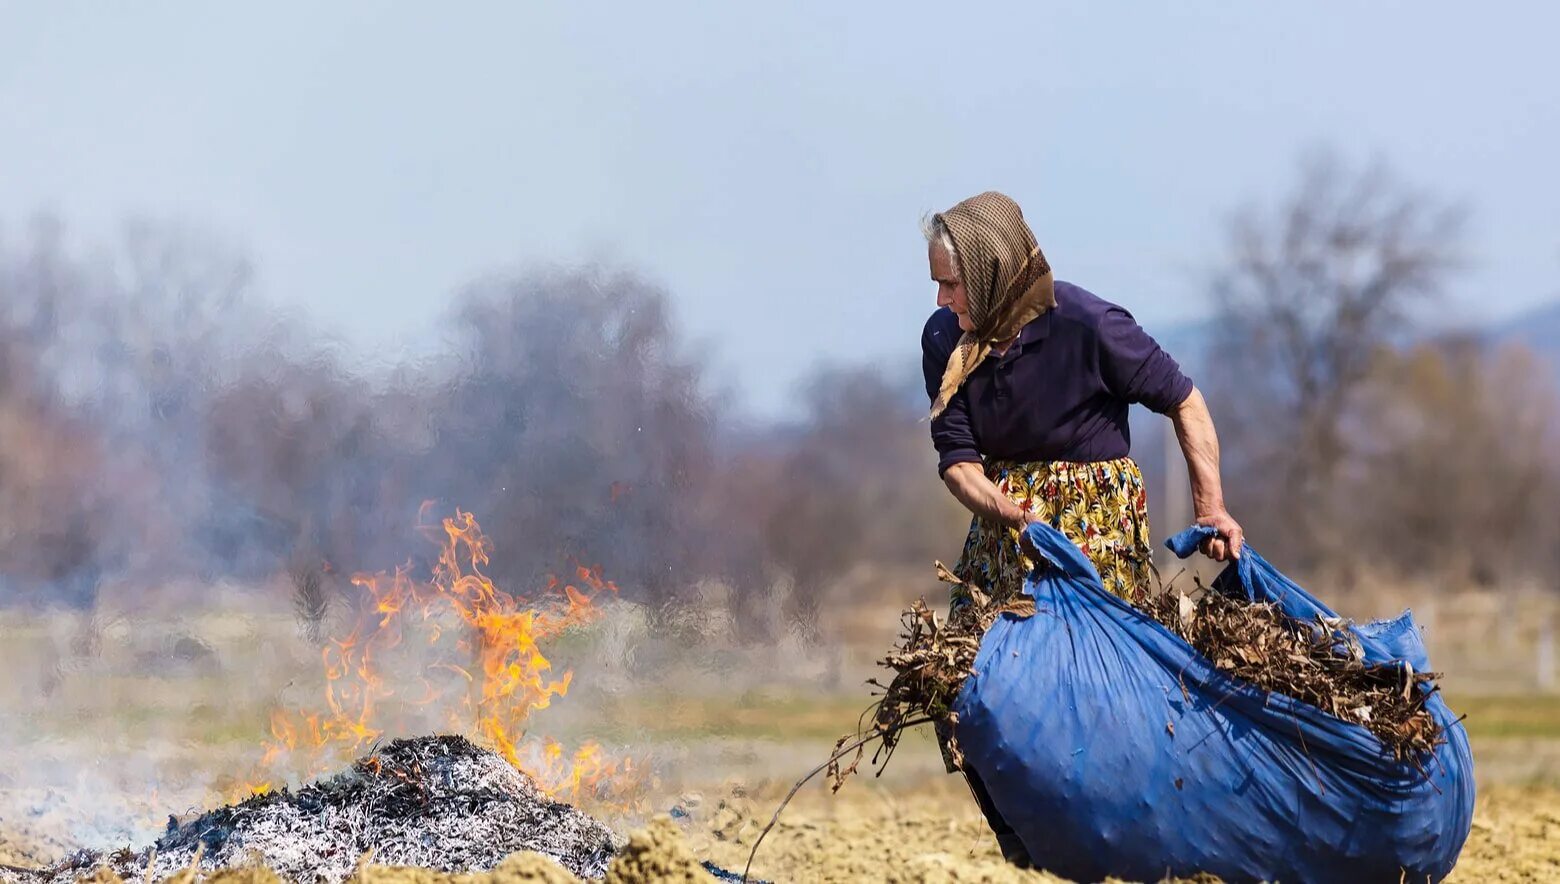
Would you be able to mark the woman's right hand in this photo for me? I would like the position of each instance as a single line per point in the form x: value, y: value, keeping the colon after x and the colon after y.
x: 1023, y: 519
x: 969, y: 483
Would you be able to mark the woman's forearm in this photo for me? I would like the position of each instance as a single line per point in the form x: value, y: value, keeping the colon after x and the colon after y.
x: 968, y: 483
x: 1200, y: 444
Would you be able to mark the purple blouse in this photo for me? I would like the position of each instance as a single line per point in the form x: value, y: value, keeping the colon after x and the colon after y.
x: 1059, y: 393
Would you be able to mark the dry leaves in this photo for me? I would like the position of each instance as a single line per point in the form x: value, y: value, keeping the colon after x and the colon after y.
x: 1319, y: 662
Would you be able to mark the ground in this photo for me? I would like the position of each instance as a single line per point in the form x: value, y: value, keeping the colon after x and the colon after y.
x: 933, y: 834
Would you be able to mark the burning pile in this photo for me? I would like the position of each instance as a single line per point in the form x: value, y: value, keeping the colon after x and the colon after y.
x: 448, y: 652
x: 438, y: 803
x: 451, y: 652
x: 1320, y: 663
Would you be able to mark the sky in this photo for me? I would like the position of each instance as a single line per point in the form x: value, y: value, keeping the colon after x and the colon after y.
x: 766, y: 164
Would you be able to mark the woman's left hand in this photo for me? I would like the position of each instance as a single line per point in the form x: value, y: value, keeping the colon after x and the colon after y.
x: 1226, y: 545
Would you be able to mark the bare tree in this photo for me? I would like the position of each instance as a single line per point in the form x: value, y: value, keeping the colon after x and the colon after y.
x: 1458, y: 478
x: 126, y: 348
x: 855, y: 486
x: 575, y: 423
x: 1313, y: 289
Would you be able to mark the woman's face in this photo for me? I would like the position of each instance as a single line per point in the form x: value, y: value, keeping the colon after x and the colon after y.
x: 950, y: 288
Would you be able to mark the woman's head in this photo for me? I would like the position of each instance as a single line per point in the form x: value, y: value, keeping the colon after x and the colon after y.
x: 984, y: 256
x: 990, y: 272
x: 944, y: 263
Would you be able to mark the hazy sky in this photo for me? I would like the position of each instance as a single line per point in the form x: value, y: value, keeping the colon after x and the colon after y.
x: 767, y: 164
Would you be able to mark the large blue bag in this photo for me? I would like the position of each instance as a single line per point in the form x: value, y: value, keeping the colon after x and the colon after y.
x: 1114, y: 748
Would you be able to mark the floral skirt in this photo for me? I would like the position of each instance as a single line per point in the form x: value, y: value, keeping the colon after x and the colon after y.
x: 1102, y: 507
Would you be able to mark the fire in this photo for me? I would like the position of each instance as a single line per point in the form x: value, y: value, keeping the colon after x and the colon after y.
x: 456, y: 648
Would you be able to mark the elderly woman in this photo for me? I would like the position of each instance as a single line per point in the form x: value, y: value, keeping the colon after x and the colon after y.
x: 1030, y: 380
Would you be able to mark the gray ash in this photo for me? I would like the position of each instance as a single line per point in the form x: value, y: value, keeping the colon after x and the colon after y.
x: 435, y: 802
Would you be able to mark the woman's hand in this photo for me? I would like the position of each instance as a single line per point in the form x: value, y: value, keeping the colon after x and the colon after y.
x: 1225, y: 545
x: 980, y: 495
x: 1021, y: 522
x: 1023, y: 519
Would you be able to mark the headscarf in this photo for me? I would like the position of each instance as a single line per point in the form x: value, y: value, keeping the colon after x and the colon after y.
x: 1006, y: 276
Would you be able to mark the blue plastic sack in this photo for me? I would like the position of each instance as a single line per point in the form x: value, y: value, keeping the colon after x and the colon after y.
x: 1113, y: 748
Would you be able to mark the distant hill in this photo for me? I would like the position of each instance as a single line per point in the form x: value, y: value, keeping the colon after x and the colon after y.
x: 1538, y: 329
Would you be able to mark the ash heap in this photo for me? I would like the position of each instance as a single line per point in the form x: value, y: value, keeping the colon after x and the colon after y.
x: 434, y: 802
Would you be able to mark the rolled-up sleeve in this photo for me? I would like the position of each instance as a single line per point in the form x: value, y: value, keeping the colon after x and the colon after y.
x: 951, y: 433
x: 1136, y: 368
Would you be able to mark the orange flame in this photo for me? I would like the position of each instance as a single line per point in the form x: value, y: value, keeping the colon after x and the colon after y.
x: 505, y: 676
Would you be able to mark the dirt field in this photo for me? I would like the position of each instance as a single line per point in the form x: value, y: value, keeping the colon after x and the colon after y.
x: 934, y: 834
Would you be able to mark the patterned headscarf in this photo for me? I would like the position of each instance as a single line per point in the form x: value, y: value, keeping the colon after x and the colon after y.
x: 1005, y: 275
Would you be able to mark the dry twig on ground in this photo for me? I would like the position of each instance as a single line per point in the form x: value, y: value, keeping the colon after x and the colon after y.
x: 930, y: 664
